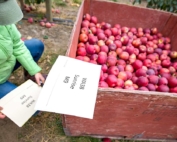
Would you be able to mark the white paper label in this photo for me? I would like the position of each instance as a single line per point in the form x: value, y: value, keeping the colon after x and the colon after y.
x: 18, y: 105
x: 71, y: 88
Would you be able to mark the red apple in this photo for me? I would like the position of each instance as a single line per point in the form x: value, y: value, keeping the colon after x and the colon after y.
x: 111, y: 61
x: 140, y: 72
x: 87, y: 17
x: 162, y: 81
x: 142, y: 56
x: 119, y: 51
x: 150, y: 72
x: 137, y: 64
x: 129, y: 74
x: 122, y: 75
x: 30, y: 20
x: 93, y: 30
x: 142, y: 81
x: 109, y: 41
x: 136, y: 42
x: 104, y: 68
x: 166, y: 63
x: 132, y: 58
x: 117, y: 26
x: 130, y: 49
x: 172, y: 82
x: 111, y: 80
x: 143, y: 88
x: 85, y: 23
x: 113, y: 70
x: 90, y: 49
x: 81, y: 44
x: 164, y: 70
x: 149, y: 50
x: 128, y: 83
x: 103, y: 84
x: 120, y: 83
x: 173, y: 54
x: 112, y: 53
x: 86, y: 59
x: 80, y: 58
x: 151, y: 87
x: 101, y: 36
x: 118, y: 43
x: 173, y: 90
x: 93, y: 19
x: 163, y: 88
x: 129, y: 68
x: 144, y: 40
x: 92, y: 25
x: 92, y: 39
x: 136, y: 51
x: 124, y: 39
x: 94, y: 57
x: 81, y: 51
x: 124, y: 55
x: 108, y: 32
x: 114, y: 31
x: 147, y: 62
x: 101, y: 59
x: 93, y: 62
x: 121, y: 67
x: 125, y: 29
x: 112, y: 47
x: 83, y: 38
x: 154, y: 30
x: 121, y: 62
x: 84, y: 30
x: 100, y: 43
x: 142, y: 48
x: 104, y: 48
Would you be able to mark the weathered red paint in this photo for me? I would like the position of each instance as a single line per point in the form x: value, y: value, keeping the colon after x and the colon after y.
x: 122, y: 113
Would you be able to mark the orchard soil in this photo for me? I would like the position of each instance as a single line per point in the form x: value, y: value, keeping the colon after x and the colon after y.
x: 45, y: 127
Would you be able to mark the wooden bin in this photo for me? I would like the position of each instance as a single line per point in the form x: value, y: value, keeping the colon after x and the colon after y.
x: 122, y: 113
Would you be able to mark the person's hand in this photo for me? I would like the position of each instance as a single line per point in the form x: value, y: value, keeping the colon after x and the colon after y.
x: 39, y: 78
x: 2, y: 116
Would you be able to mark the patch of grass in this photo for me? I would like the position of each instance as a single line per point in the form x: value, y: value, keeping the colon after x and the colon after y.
x: 77, y: 1
x: 59, y: 125
x: 53, y: 58
x: 59, y: 3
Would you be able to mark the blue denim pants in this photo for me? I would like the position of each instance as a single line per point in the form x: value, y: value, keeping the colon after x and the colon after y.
x: 36, y: 47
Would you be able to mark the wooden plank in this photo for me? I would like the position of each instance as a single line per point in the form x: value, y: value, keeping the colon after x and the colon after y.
x: 126, y: 114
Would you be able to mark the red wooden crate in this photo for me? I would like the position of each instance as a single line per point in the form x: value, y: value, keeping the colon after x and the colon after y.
x: 122, y: 113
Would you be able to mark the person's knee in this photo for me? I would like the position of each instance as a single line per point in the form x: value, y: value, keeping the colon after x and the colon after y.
x: 6, y: 88
x: 38, y: 44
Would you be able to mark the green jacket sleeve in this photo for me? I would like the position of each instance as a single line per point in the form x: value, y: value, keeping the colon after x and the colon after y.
x: 22, y: 54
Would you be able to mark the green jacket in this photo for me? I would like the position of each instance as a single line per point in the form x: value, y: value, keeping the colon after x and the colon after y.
x: 12, y: 48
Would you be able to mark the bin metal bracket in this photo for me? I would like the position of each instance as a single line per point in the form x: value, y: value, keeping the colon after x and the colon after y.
x: 67, y: 132
x: 138, y: 135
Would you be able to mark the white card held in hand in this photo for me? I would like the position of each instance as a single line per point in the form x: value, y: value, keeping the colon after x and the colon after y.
x: 18, y: 105
x: 71, y: 88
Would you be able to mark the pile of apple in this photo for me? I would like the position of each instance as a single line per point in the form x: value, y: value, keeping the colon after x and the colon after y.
x: 131, y: 58
x: 43, y: 22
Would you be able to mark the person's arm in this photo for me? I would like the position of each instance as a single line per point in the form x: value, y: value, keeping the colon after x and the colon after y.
x: 23, y: 55
x: 2, y: 116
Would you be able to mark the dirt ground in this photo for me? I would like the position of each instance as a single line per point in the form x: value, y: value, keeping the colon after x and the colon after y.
x: 45, y: 127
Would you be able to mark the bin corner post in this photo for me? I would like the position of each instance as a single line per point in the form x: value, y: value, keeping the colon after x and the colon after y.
x: 65, y: 129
